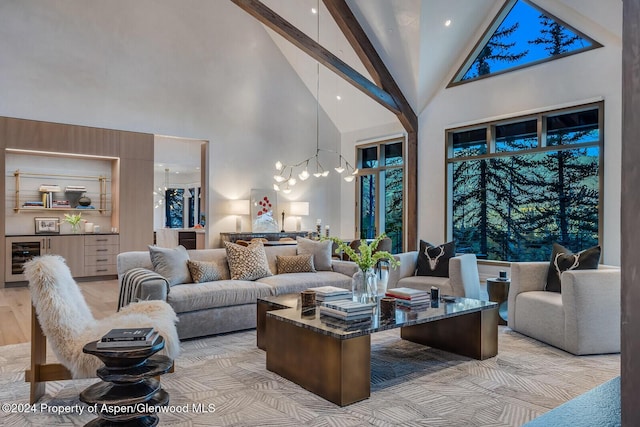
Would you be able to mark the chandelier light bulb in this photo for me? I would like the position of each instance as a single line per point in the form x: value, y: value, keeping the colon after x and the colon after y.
x: 292, y: 181
x: 304, y: 175
x: 355, y: 172
x: 286, y: 190
x: 279, y: 178
x: 349, y: 178
x: 275, y: 187
x: 339, y: 169
x: 279, y: 165
x: 317, y: 174
x: 325, y: 173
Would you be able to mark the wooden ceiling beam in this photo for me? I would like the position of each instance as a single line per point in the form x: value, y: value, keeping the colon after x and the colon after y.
x: 367, y: 53
x: 281, y: 26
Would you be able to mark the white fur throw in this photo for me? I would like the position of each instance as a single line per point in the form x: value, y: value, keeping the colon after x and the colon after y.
x: 68, y: 324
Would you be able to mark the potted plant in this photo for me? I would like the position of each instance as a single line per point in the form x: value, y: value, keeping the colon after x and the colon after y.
x: 74, y: 220
x: 365, y: 284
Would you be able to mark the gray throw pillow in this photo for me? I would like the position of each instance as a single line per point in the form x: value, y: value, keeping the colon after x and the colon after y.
x: 321, y: 251
x: 295, y: 264
x: 204, y: 271
x: 171, y: 263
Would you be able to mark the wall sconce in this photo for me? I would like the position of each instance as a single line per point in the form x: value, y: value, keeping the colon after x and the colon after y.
x: 299, y: 209
x: 238, y: 208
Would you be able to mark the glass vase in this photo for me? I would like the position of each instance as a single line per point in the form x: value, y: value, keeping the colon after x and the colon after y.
x: 364, y: 286
x: 75, y: 228
x: 382, y: 276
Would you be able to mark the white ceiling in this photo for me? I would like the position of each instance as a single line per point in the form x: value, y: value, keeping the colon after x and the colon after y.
x: 410, y: 36
x: 396, y: 28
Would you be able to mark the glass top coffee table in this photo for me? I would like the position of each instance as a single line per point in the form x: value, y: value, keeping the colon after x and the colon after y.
x: 335, y: 363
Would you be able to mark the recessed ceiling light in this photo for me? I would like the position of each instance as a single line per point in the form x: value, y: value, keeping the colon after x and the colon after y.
x: 314, y: 10
x: 338, y: 97
x: 447, y: 22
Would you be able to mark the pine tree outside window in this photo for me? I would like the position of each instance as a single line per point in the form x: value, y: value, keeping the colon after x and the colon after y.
x: 539, y: 182
x: 521, y: 35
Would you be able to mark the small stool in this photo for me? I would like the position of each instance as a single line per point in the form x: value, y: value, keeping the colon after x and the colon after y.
x: 498, y: 290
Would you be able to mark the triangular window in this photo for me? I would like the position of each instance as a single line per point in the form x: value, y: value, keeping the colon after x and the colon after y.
x: 521, y: 35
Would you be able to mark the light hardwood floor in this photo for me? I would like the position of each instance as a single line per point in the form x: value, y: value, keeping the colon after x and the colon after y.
x: 15, y: 308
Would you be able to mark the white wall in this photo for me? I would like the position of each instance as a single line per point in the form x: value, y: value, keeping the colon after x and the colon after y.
x: 572, y: 80
x: 203, y: 69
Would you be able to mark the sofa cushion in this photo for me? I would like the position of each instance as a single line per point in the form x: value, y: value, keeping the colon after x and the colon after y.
x: 562, y: 259
x: 321, y: 251
x: 171, y: 263
x: 204, y: 271
x: 247, y: 263
x: 297, y: 282
x: 295, y: 264
x: 221, y: 293
x: 433, y: 260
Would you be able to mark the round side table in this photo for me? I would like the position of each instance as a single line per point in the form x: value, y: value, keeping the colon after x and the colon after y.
x: 498, y: 290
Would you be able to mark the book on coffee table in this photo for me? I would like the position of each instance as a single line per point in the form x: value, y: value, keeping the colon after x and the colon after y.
x: 331, y: 293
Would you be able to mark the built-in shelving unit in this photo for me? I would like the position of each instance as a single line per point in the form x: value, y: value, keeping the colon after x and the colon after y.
x: 20, y: 201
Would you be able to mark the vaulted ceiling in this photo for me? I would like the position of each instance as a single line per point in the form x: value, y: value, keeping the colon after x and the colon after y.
x: 420, y: 51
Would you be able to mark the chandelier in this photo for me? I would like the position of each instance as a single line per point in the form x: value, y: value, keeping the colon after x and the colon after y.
x: 286, y: 176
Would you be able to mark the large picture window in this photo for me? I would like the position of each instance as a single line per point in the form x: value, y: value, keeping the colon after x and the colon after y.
x: 380, y: 195
x: 517, y: 186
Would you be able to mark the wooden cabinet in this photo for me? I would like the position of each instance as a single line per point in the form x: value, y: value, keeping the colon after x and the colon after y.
x: 21, y: 249
x: 100, y: 253
x: 86, y: 255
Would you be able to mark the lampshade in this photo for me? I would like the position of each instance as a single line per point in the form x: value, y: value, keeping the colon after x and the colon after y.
x: 299, y: 209
x: 239, y: 207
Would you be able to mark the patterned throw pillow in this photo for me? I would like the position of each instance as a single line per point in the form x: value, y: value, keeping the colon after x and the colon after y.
x: 171, y: 263
x: 434, y: 260
x: 321, y: 251
x: 295, y: 264
x: 247, y: 262
x: 562, y: 259
x: 202, y: 271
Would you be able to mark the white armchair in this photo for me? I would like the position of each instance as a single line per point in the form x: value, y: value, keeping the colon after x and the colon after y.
x: 583, y: 319
x: 463, y: 280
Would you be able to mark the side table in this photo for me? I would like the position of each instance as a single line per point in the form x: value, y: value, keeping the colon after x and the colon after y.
x: 129, y: 391
x: 498, y: 290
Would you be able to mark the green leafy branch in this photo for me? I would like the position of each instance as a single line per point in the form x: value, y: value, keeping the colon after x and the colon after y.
x: 73, y: 219
x: 367, y: 256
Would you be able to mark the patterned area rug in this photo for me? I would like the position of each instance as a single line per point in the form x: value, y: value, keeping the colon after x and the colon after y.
x: 222, y: 381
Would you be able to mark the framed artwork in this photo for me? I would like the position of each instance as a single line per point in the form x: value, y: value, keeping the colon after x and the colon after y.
x: 264, y: 211
x: 47, y: 225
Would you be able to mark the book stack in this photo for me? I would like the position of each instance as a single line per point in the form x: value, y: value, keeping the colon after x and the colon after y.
x: 75, y: 189
x: 331, y: 293
x: 409, y: 298
x: 128, y: 337
x: 346, y: 314
x: 60, y: 204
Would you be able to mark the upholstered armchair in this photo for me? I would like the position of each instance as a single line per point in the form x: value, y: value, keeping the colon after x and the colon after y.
x: 463, y: 280
x: 583, y: 319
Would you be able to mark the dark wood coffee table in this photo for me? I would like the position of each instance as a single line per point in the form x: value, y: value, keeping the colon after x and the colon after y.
x: 336, y: 364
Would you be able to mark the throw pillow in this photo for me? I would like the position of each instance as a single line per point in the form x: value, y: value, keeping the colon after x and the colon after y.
x: 247, y: 262
x: 434, y: 260
x: 562, y: 259
x: 321, y: 251
x: 295, y: 264
x: 171, y: 263
x: 202, y: 271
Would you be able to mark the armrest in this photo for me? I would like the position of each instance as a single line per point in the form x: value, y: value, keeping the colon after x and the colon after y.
x: 408, y: 264
x: 592, y: 307
x: 525, y: 277
x: 141, y: 284
x: 348, y: 268
x: 464, y: 277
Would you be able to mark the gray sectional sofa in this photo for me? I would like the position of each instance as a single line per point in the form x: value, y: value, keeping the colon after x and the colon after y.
x: 227, y: 305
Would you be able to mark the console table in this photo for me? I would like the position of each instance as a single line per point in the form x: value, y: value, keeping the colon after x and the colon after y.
x: 232, y: 237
